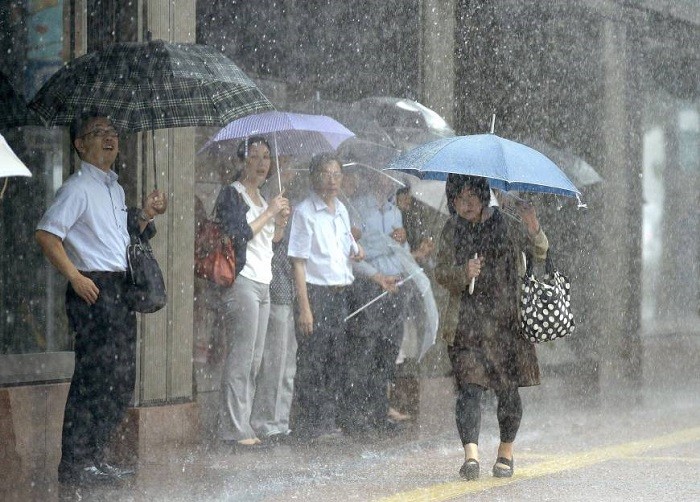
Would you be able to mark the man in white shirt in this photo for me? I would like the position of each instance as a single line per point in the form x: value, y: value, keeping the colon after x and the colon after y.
x: 84, y: 234
x: 321, y: 247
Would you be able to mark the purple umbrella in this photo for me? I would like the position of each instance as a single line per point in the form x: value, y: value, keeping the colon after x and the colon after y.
x: 291, y: 133
x: 295, y: 133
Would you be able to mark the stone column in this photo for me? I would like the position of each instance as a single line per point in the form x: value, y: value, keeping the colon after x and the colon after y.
x: 619, y: 285
x: 437, y: 56
x: 166, y: 336
x: 164, y: 411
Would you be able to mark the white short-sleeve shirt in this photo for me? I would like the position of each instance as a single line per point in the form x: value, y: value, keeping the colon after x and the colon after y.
x: 324, y: 240
x: 89, y: 215
x: 258, y: 254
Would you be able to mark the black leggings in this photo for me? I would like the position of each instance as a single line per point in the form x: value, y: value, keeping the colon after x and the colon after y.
x: 509, y: 413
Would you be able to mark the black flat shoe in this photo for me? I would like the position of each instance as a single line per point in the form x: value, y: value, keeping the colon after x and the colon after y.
x: 502, y: 472
x: 470, y: 470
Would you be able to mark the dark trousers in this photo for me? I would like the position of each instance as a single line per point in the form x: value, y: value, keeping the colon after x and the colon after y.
x: 104, y: 376
x: 320, y: 357
x: 374, y: 339
x: 509, y: 412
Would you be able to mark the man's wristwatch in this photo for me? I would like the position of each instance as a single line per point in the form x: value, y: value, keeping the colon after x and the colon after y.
x: 144, y: 217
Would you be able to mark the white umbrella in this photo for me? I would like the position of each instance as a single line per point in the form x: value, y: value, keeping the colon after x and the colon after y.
x: 10, y: 165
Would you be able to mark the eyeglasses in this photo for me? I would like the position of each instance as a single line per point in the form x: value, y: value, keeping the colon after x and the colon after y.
x: 109, y: 132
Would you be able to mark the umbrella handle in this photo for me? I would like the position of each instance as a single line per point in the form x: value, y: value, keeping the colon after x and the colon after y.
x: 277, y: 162
x: 471, y: 284
x: 153, y: 130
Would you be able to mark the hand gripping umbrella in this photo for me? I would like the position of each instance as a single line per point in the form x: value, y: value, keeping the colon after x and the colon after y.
x: 150, y: 85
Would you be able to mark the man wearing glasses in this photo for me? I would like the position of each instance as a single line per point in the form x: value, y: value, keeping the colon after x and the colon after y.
x: 321, y: 248
x: 84, y: 234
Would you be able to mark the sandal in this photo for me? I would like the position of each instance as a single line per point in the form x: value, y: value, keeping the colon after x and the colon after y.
x: 470, y: 469
x: 502, y: 472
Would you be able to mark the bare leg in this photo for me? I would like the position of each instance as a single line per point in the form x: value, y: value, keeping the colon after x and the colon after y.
x: 471, y: 450
x: 505, y: 450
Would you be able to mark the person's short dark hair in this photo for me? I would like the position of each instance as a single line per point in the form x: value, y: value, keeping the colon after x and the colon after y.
x: 456, y: 183
x: 246, y: 144
x: 319, y: 161
x: 77, y: 126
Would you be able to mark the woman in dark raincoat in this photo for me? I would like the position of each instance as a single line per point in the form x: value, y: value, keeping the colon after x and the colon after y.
x: 482, y: 329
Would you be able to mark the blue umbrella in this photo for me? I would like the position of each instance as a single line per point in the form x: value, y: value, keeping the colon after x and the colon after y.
x: 292, y: 133
x: 507, y: 165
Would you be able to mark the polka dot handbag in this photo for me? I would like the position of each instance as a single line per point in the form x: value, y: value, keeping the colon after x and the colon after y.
x: 545, y: 305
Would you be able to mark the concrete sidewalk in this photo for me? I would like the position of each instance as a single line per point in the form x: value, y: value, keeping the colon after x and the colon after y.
x: 633, y: 444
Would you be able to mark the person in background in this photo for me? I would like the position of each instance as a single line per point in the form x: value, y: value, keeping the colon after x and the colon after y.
x: 321, y: 247
x: 478, y: 243
x: 254, y: 226
x: 375, y: 334
x: 275, y: 383
x: 85, y: 234
x: 416, y: 225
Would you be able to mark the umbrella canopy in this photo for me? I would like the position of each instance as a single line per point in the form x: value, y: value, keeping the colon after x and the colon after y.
x: 14, y: 112
x: 366, y: 152
x: 580, y: 172
x: 10, y: 165
x: 351, y: 115
x: 407, y: 122
x: 290, y: 133
x: 150, y: 85
x: 508, y: 165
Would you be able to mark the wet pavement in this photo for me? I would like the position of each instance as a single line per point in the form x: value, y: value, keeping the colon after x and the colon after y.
x: 626, y: 445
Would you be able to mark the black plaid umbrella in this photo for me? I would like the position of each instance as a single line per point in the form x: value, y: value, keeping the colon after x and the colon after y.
x: 13, y: 108
x: 150, y: 85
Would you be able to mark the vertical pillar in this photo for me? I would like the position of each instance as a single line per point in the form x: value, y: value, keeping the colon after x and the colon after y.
x: 166, y: 337
x: 437, y: 56
x: 619, y: 288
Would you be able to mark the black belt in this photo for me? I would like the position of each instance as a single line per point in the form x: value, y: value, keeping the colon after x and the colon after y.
x: 332, y: 289
x: 104, y: 275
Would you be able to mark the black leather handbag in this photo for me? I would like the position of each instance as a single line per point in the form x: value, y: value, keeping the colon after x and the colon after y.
x: 145, y: 290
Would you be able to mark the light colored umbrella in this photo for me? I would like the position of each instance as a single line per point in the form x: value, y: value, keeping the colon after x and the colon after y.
x: 507, y: 165
x: 10, y: 165
x: 580, y: 172
x: 293, y: 133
